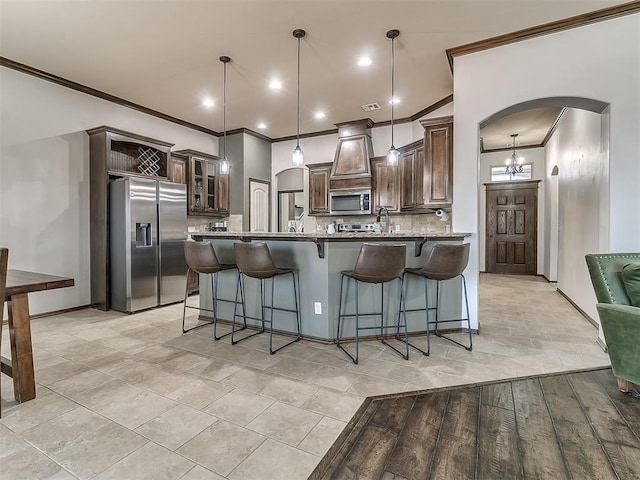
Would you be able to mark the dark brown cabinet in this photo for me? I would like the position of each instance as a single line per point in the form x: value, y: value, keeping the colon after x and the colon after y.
x: 438, y: 162
x: 423, y: 179
x: 178, y: 168
x: 410, y: 166
x: 207, y: 187
x: 385, y: 185
x: 319, y: 188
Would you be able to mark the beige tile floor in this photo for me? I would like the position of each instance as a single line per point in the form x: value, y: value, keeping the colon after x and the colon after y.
x: 129, y: 397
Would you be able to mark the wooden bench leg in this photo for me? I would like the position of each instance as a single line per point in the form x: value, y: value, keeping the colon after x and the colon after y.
x: 24, y: 384
x: 623, y: 385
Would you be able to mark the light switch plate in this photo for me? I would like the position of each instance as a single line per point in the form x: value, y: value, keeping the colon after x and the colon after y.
x: 318, y: 308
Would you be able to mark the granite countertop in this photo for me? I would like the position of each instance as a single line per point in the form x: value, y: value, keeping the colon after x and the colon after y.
x: 321, y: 238
x: 313, y: 236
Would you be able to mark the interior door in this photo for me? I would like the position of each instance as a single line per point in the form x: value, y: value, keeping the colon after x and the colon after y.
x: 259, y: 204
x: 512, y: 220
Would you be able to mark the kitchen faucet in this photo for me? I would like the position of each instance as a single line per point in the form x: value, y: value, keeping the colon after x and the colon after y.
x: 384, y: 211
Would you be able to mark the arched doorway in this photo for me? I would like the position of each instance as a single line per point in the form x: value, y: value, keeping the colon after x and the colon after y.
x: 574, y: 192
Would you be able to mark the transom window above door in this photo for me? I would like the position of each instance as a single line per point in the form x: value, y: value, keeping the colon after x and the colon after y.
x: 500, y: 174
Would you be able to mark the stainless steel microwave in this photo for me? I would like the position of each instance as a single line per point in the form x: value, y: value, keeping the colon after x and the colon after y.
x: 350, y: 202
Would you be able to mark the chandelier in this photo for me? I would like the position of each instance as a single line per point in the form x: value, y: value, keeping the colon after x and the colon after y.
x: 514, y: 163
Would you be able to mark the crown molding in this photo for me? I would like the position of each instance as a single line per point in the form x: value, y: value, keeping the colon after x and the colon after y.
x: 544, y: 29
x: 22, y: 68
x: 432, y: 108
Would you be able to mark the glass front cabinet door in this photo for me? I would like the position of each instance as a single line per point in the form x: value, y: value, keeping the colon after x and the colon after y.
x: 208, y: 191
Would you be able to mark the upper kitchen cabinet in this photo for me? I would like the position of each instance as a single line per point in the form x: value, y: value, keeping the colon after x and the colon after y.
x: 411, y: 175
x: 177, y: 170
x: 207, y: 188
x: 438, y: 162
x: 319, y: 188
x: 385, y: 185
x: 116, y: 152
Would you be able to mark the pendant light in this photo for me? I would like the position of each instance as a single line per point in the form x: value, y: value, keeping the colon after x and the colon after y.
x: 224, y: 165
x: 297, y: 156
x: 392, y: 156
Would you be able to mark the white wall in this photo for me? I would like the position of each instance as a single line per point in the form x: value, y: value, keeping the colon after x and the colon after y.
x: 598, y: 61
x: 534, y: 156
x: 44, y: 176
x: 576, y: 148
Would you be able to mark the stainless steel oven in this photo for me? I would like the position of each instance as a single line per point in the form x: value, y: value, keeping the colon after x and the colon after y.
x: 350, y: 202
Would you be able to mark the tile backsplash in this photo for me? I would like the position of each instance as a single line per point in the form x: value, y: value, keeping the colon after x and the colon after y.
x: 420, y: 223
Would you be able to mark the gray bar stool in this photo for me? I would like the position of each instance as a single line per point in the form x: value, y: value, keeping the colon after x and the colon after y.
x: 254, y: 261
x: 377, y: 264
x: 445, y: 262
x: 201, y: 258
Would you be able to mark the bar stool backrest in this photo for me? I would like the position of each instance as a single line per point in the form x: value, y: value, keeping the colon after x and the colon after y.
x: 379, y: 263
x: 254, y: 259
x: 201, y: 257
x: 446, y: 261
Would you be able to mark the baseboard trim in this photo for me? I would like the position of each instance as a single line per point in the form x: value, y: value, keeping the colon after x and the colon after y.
x: 59, y: 312
x: 582, y: 312
x: 602, y: 345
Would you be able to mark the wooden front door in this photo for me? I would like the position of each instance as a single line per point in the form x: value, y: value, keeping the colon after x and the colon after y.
x: 512, y: 220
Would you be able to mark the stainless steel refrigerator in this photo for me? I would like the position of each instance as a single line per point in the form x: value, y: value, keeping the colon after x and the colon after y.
x: 147, y: 225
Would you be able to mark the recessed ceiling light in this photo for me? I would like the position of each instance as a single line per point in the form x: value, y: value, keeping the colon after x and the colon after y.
x: 364, y: 61
x: 262, y: 126
x: 275, y: 84
x: 207, y: 102
x: 320, y: 115
x: 395, y: 101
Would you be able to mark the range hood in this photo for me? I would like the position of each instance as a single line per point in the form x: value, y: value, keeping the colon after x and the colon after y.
x: 351, y: 167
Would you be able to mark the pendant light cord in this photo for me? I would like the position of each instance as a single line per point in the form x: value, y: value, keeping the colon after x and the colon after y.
x: 298, y: 113
x: 392, y: 34
x: 224, y: 112
x: 224, y: 59
x: 393, y: 69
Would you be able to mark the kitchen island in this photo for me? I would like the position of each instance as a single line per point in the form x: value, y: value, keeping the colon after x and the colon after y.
x: 319, y: 259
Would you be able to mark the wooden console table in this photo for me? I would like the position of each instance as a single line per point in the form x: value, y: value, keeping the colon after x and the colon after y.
x: 20, y: 367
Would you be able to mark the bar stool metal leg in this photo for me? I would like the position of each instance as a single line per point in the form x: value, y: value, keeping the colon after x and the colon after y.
x: 341, y: 316
x: 216, y: 299
x: 240, y: 290
x: 184, y: 309
x: 467, y: 319
x: 271, y: 307
x: 401, y: 312
x: 382, y: 327
x: 427, y: 309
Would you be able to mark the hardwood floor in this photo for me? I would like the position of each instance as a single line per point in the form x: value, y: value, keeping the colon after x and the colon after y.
x: 565, y: 426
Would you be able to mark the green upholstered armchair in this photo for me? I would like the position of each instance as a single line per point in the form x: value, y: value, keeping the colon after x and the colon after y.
x: 620, y: 320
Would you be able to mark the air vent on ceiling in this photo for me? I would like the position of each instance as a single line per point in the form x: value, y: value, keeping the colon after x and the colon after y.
x: 371, y: 106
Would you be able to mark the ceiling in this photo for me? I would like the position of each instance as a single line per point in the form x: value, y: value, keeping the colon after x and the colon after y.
x: 164, y: 55
x: 531, y: 126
